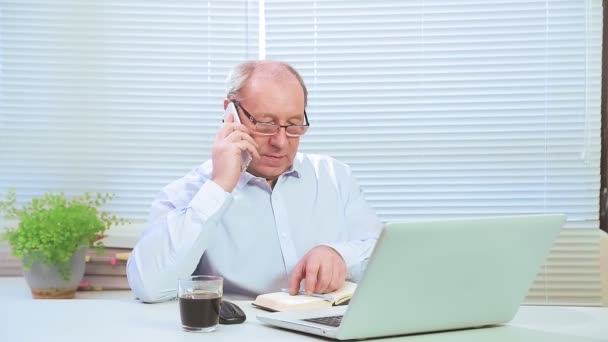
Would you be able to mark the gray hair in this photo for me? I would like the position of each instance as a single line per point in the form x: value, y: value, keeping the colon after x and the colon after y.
x: 240, y: 74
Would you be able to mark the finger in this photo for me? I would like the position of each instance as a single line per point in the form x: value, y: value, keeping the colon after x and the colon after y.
x: 295, y: 279
x: 244, y: 142
x: 337, y: 281
x: 339, y: 274
x: 334, y: 284
x: 228, y: 128
x: 342, y: 273
x: 312, y: 269
x: 237, y: 136
x: 324, y: 277
x: 342, y: 278
x: 245, y: 145
x: 225, y: 130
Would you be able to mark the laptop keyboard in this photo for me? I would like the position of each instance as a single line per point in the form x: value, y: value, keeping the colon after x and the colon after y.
x: 332, y: 321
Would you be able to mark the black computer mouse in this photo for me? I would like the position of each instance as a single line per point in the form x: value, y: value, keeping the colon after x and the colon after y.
x: 230, y: 313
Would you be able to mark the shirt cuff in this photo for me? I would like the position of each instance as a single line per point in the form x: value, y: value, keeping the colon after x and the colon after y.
x: 209, y: 200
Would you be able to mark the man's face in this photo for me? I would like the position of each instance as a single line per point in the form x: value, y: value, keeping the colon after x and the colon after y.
x: 273, y: 101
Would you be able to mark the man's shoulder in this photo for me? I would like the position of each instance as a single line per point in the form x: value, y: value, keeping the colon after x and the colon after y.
x: 322, y: 163
x: 314, y: 158
x: 196, y: 176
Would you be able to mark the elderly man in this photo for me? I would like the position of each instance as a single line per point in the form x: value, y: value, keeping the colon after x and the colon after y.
x: 289, y: 219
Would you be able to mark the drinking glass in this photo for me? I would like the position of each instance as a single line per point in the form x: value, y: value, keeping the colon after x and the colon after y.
x: 199, y: 302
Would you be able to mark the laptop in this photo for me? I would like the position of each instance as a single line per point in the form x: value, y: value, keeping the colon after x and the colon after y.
x: 428, y: 276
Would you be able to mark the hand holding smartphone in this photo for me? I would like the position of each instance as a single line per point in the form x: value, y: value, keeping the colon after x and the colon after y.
x: 245, y: 155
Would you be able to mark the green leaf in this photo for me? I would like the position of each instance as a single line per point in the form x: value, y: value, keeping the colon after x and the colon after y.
x: 52, y: 227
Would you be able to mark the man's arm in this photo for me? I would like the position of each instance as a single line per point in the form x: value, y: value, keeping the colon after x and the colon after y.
x: 363, y: 227
x: 185, y: 216
x: 323, y: 267
x: 176, y: 236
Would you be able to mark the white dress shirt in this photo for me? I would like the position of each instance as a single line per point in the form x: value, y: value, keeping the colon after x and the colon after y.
x: 254, y: 236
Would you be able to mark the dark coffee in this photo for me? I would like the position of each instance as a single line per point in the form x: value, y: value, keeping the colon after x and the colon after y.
x: 200, y: 309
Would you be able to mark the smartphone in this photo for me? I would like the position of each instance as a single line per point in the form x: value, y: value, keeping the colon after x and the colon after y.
x: 245, y: 155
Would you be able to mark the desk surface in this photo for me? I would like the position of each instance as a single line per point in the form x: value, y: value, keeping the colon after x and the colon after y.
x: 117, y: 316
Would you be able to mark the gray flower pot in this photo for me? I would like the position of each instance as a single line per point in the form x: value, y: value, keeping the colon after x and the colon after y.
x: 45, y: 281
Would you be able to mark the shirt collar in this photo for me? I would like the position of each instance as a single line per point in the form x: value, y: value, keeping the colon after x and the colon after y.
x: 296, y: 168
x: 293, y: 171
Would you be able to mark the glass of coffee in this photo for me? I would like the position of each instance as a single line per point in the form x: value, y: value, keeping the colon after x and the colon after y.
x: 199, y: 302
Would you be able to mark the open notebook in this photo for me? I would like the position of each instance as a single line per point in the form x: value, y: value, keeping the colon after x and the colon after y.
x: 437, y: 275
x: 283, y: 301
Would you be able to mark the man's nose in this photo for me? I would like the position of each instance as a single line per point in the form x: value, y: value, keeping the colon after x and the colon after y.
x: 280, y: 138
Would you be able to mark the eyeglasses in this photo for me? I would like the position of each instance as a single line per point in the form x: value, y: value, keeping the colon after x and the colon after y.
x: 265, y: 128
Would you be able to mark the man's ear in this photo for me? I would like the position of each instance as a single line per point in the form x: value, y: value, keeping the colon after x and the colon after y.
x: 226, y: 102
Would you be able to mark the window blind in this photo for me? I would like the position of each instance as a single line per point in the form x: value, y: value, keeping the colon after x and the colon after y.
x: 443, y: 109
x: 114, y: 96
x: 468, y: 108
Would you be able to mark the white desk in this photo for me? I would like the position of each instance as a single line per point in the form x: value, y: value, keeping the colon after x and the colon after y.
x: 117, y: 316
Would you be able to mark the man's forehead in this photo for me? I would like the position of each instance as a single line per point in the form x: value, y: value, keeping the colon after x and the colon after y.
x: 284, y: 93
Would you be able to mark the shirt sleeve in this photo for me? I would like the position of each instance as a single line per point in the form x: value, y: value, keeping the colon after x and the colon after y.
x: 178, y: 231
x: 363, y: 228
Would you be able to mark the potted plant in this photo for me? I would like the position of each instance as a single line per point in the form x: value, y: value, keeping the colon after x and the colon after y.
x: 51, y: 237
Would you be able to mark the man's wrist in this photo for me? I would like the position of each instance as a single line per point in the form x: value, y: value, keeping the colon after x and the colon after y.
x: 224, y: 185
x: 210, y: 198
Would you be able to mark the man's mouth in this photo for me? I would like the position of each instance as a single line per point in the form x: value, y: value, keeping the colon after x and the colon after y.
x: 272, y: 159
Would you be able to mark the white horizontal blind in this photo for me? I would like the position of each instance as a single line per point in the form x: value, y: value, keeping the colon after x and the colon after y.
x: 442, y: 108
x: 460, y: 108
x: 114, y: 96
x: 571, y: 274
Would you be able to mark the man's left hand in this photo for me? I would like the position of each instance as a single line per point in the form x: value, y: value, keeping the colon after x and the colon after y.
x: 323, y: 270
